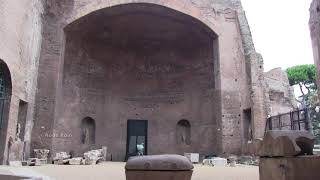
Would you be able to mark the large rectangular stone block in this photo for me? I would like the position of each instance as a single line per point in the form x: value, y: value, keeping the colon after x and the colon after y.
x: 295, y: 168
x: 159, y: 167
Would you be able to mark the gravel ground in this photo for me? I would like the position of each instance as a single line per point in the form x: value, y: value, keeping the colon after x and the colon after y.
x: 115, y: 171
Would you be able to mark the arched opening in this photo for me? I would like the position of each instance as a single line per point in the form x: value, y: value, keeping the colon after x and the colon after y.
x: 5, y: 99
x: 88, y: 131
x: 136, y: 61
x: 184, y: 132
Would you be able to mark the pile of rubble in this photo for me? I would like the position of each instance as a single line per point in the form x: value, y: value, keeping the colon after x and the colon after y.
x: 63, y: 158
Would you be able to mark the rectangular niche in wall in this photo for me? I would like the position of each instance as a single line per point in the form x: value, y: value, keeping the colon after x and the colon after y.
x: 247, y: 125
x: 22, y: 118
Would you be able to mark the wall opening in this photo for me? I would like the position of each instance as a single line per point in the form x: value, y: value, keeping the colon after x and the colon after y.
x: 184, y: 132
x: 22, y: 119
x: 88, y: 134
x: 124, y: 60
x: 247, y: 120
x: 5, y: 99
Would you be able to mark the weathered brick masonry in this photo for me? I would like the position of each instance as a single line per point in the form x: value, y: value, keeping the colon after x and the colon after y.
x: 86, y: 67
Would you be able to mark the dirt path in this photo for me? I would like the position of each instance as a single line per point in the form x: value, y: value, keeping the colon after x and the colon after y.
x: 115, y: 171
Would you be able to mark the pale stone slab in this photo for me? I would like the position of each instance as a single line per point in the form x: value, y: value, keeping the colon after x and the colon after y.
x: 75, y: 161
x: 15, y: 163
x: 219, y: 162
x: 193, y: 157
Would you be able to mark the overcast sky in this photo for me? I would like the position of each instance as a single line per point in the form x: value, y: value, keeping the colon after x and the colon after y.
x: 280, y: 31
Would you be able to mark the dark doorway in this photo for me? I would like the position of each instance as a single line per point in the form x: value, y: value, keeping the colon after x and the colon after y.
x: 247, y: 123
x: 137, y: 138
x: 22, y: 118
x: 5, y: 100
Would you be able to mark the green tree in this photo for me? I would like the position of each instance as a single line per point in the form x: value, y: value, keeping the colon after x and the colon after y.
x: 305, y: 77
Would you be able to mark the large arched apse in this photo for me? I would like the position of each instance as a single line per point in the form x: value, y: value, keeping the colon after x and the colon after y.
x: 141, y: 62
x: 5, y: 99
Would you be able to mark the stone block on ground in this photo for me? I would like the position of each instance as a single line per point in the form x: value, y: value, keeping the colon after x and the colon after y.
x: 93, y: 157
x: 193, y: 157
x: 75, y: 161
x: 159, y: 167
x: 233, y: 161
x: 34, y: 162
x: 104, y: 153
x: 286, y: 143
x: 15, y: 163
x: 41, y: 153
x: 61, y: 158
x: 219, y: 161
x: 290, y: 168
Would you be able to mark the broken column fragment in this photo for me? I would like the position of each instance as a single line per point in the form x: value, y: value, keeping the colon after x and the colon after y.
x: 286, y: 143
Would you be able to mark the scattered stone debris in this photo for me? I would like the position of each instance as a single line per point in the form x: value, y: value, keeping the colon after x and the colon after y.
x: 34, y: 162
x: 233, y: 161
x: 215, y: 161
x: 193, y: 157
x: 76, y: 161
x: 61, y: 158
x: 93, y: 157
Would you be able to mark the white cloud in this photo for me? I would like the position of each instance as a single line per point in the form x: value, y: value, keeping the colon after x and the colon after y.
x: 280, y: 31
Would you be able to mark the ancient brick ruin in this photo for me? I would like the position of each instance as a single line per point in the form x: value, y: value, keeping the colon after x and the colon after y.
x: 314, y: 24
x: 177, y: 76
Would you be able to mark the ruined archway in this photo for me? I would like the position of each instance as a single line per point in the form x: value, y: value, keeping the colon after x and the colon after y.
x: 137, y: 61
x: 5, y: 99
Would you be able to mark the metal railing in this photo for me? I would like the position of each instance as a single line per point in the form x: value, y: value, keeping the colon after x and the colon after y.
x: 295, y: 120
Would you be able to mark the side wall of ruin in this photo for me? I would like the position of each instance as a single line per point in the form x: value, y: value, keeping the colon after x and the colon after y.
x: 20, y: 34
x: 239, y: 75
x: 314, y: 24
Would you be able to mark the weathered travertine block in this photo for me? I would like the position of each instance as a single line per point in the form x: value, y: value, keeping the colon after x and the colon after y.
x: 34, y: 162
x: 93, y: 157
x: 159, y: 167
x: 290, y: 168
x: 61, y: 158
x: 215, y: 162
x: 41, y: 153
x: 286, y: 143
x: 104, y: 152
x: 75, y: 161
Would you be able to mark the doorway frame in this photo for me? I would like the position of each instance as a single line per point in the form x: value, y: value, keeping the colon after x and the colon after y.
x: 129, y: 121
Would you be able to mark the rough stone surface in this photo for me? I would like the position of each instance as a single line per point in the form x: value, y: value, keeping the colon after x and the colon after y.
x: 159, y: 175
x: 294, y: 168
x: 281, y: 94
x: 76, y: 161
x: 159, y: 163
x: 286, y: 144
x: 164, y: 167
x: 41, y: 153
x: 21, y: 36
x: 93, y: 157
